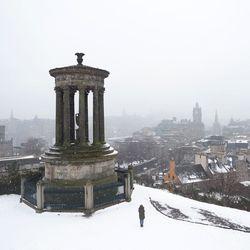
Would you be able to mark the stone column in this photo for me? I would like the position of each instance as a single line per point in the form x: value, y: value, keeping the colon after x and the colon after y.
x: 95, y: 116
x: 131, y: 177
x: 86, y: 115
x: 89, y: 196
x: 59, y: 117
x: 22, y: 187
x: 101, y: 116
x: 127, y: 187
x: 82, y: 115
x: 66, y: 116
x: 72, y: 115
x: 39, y: 196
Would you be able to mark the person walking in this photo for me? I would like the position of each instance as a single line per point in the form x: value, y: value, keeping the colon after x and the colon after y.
x: 141, y: 211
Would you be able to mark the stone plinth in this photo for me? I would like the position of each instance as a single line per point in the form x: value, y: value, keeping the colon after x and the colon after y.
x: 82, y: 170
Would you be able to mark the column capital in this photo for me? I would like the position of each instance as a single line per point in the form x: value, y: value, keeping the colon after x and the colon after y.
x: 58, y: 89
x: 65, y: 88
x: 92, y: 88
x: 71, y: 89
x: 81, y: 88
x: 86, y: 89
x: 101, y: 90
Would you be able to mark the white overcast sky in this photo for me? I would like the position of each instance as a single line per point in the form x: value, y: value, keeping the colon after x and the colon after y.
x: 163, y: 56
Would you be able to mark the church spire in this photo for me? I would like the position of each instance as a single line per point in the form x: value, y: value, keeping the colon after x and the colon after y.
x: 216, y: 125
x: 11, y: 115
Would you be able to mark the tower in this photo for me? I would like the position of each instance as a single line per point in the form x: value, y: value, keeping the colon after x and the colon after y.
x: 2, y: 133
x: 170, y: 179
x: 197, y: 114
x: 6, y: 146
x: 197, y: 125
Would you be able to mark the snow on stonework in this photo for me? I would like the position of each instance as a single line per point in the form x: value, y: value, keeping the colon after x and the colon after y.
x: 170, y: 223
x: 246, y: 183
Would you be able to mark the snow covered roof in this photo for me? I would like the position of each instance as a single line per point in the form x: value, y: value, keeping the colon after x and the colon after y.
x: 238, y: 141
x: 191, y: 173
x: 216, y: 167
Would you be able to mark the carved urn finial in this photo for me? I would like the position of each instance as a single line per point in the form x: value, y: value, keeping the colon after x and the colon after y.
x: 79, y: 58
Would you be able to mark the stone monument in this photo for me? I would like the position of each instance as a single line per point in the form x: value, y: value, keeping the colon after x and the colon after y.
x: 79, y: 174
x: 73, y: 157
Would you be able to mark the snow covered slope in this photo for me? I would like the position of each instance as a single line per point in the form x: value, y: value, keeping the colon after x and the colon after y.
x: 117, y: 227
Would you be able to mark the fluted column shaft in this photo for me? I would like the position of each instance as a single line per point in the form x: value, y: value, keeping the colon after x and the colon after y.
x: 83, y: 115
x: 59, y: 117
x: 101, y: 116
x: 86, y: 115
x: 66, y: 118
x: 95, y: 116
x: 72, y: 115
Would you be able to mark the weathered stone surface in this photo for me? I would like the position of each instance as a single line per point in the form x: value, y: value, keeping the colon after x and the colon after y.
x: 69, y: 171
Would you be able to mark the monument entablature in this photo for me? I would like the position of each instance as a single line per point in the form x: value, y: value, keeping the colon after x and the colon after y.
x: 79, y: 70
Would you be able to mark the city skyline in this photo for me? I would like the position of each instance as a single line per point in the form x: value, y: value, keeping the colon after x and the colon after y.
x: 208, y: 121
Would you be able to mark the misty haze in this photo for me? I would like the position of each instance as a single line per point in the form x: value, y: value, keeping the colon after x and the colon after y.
x: 124, y: 124
x: 163, y: 56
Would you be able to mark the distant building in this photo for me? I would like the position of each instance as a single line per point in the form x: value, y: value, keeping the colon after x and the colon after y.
x: 242, y: 170
x: 197, y: 114
x: 184, y: 174
x: 183, y: 131
x: 171, y: 179
x: 171, y: 174
x: 198, y: 126
x: 22, y: 130
x: 237, y: 129
x: 191, y: 174
x: 237, y: 145
x: 216, y: 125
x: 215, y: 146
x: 185, y: 154
x: 6, y: 146
x: 216, y: 165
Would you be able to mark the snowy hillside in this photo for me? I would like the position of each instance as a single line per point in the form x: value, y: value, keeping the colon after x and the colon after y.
x: 117, y: 227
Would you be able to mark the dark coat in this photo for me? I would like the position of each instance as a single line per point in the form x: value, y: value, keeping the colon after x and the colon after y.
x: 141, y: 211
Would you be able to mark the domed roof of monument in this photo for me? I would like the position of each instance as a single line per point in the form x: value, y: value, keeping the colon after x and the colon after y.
x: 79, y: 69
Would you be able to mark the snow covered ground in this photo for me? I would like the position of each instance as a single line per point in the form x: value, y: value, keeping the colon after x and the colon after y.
x: 118, y: 228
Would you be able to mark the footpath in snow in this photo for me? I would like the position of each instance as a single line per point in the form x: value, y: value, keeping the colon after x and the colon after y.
x: 117, y: 227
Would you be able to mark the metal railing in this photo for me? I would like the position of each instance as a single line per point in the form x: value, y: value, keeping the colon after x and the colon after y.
x: 108, y: 193
x: 63, y: 198
x: 30, y: 189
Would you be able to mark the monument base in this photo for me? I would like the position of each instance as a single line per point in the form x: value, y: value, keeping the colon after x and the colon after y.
x: 75, y: 171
